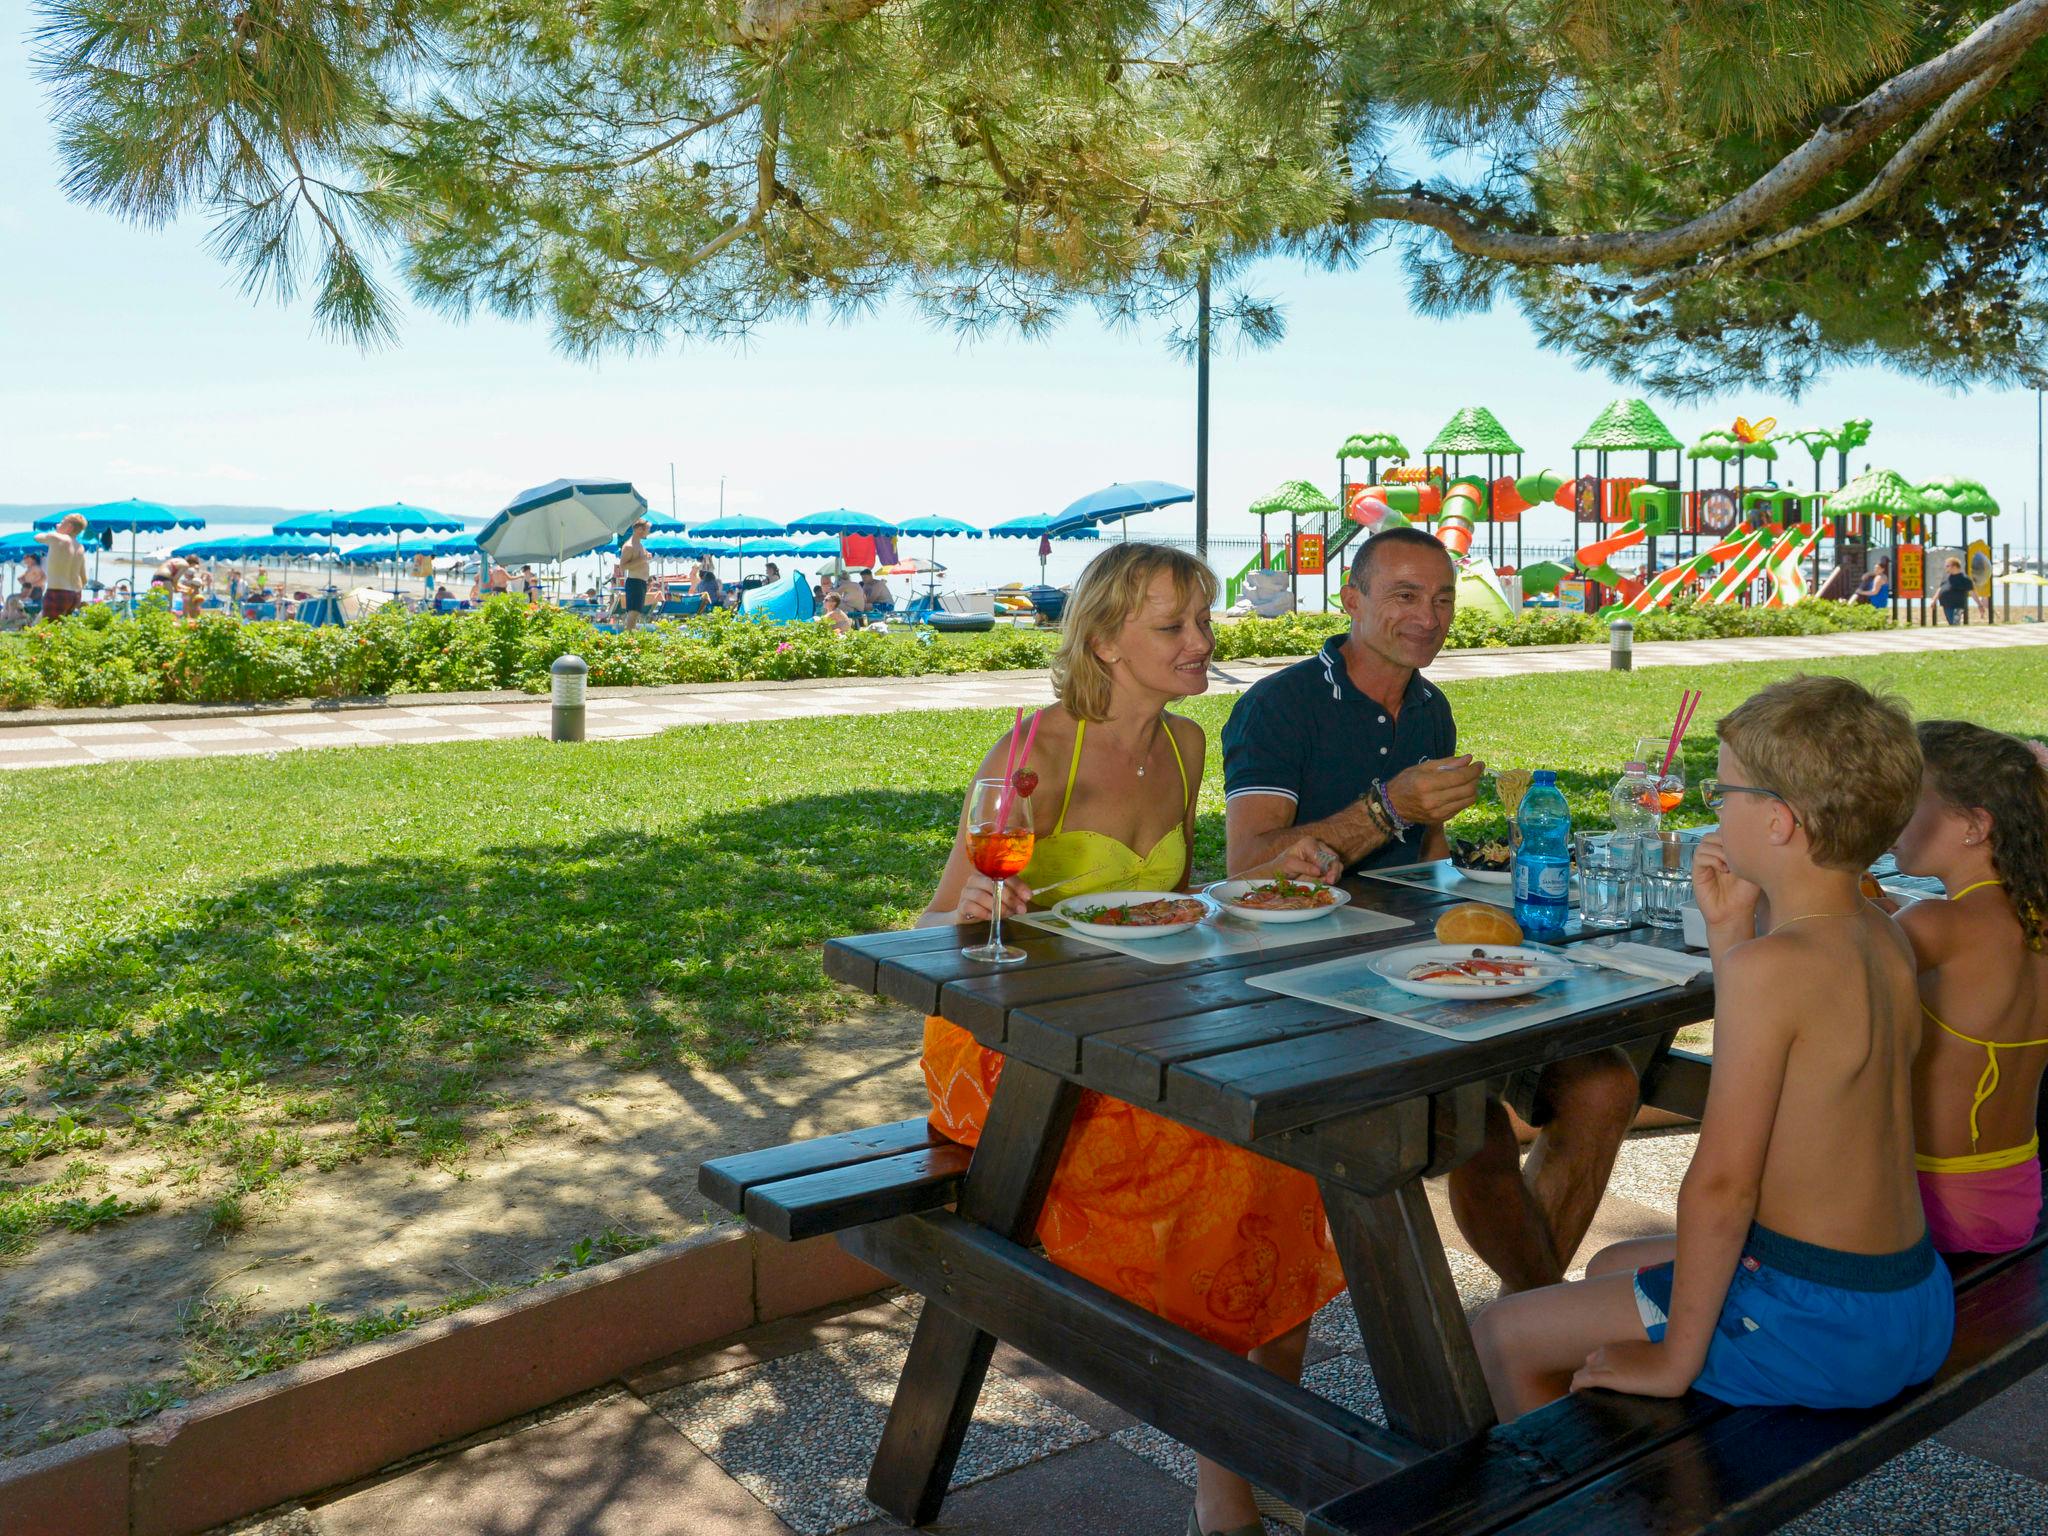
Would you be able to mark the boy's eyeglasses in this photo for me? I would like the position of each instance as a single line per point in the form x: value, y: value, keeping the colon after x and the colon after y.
x: 1716, y: 792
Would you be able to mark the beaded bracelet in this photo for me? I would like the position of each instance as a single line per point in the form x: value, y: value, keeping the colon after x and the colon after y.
x: 1397, y: 826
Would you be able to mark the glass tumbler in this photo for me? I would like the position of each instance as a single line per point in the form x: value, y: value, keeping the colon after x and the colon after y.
x: 1609, y: 866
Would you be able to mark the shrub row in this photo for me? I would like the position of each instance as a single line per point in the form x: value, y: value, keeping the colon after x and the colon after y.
x: 99, y: 658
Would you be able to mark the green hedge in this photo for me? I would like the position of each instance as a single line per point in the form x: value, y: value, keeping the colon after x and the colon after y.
x: 100, y: 658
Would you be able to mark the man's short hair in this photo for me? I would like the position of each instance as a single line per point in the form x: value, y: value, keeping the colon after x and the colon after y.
x: 1387, y: 538
x: 1846, y: 760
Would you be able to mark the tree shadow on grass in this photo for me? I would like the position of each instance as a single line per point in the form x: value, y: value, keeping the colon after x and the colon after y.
x: 391, y: 986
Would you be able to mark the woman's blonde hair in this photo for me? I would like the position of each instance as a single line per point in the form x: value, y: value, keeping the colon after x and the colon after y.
x: 1109, y: 592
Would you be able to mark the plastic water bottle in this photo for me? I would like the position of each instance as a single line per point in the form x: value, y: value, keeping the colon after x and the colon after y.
x: 1543, y: 863
x: 1633, y: 801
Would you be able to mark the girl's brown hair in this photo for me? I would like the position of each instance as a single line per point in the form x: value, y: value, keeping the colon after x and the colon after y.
x: 1108, y: 593
x: 1975, y: 769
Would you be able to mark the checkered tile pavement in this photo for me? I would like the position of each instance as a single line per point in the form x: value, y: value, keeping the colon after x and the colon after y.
x: 645, y: 714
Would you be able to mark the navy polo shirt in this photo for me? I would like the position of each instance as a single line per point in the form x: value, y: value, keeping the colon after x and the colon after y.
x: 1310, y: 734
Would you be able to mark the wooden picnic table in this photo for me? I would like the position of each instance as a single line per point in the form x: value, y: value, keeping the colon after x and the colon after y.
x: 1368, y: 1107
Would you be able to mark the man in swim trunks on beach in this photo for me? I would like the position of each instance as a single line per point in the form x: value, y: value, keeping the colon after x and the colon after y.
x: 633, y: 567
x: 64, y: 588
x: 1355, y: 747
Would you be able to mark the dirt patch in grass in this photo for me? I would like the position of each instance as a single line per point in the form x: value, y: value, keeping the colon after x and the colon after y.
x: 583, y: 1161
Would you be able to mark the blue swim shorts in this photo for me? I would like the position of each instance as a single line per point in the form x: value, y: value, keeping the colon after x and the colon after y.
x: 1816, y: 1327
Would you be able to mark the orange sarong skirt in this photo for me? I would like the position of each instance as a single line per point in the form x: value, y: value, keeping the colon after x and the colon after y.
x: 1227, y: 1244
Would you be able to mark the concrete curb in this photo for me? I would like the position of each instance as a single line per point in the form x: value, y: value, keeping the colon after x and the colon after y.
x: 344, y: 1416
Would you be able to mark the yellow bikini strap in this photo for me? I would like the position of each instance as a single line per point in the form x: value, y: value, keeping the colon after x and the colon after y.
x: 1959, y: 895
x: 1987, y: 1080
x: 1177, y: 762
x: 1073, y: 772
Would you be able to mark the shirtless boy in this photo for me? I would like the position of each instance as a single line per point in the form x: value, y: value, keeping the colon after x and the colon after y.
x: 1802, y: 1272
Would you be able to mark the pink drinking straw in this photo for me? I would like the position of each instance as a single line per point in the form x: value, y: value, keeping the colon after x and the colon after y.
x: 1018, y: 760
x: 1687, y: 703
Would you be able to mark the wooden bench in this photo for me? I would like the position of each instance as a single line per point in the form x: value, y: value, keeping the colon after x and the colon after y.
x: 1624, y: 1466
x: 832, y: 1183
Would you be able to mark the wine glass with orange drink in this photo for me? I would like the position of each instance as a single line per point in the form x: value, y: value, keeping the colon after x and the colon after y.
x: 999, y: 842
x: 1667, y: 791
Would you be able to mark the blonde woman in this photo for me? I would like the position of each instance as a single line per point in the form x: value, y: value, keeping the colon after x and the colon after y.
x: 1224, y: 1243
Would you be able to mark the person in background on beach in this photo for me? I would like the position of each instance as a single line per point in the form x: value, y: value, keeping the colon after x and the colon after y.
x: 709, y: 585
x: 33, y: 578
x: 1955, y: 591
x: 190, y: 586
x: 835, y: 613
x: 65, y: 588
x: 1981, y: 829
x: 773, y: 574
x: 852, y: 595
x: 529, y: 583
x: 633, y: 569
x: 879, y: 598
x: 1802, y: 1274
x: 12, y: 615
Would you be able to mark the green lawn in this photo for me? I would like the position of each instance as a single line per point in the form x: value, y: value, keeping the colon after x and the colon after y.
x: 251, y: 964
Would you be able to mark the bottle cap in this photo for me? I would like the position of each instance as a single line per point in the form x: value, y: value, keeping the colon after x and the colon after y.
x: 1635, y: 767
x: 1543, y: 776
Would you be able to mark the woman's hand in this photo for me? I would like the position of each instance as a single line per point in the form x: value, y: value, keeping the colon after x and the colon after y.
x: 1637, y: 1366
x: 978, y: 899
x: 1724, y: 898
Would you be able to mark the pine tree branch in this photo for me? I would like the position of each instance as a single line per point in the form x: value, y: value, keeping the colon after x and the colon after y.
x: 764, y: 187
x: 1885, y: 184
x: 627, y: 162
x: 768, y: 23
x: 1997, y: 44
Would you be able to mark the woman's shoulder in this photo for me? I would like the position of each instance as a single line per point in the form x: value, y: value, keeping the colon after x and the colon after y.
x: 1189, y: 736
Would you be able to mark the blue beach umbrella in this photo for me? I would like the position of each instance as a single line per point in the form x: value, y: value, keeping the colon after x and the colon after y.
x: 1119, y: 501
x: 561, y: 520
x: 840, y: 520
x: 1039, y: 527
x: 14, y: 545
x: 456, y: 544
x: 393, y: 550
x: 818, y: 547
x: 689, y: 549
x: 320, y: 524
x: 769, y: 547
x: 740, y: 525
x: 395, y: 517
x: 935, y: 528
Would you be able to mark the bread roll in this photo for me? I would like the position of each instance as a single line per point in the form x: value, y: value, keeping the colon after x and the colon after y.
x: 1478, y: 922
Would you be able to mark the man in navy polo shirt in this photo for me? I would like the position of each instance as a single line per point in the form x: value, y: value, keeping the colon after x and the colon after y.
x: 1355, y: 748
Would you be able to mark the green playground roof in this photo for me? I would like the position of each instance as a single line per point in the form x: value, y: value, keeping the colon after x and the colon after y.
x: 1955, y: 494
x: 1628, y: 423
x: 1881, y: 493
x: 1475, y: 429
x: 1373, y: 445
x: 1721, y: 444
x: 1292, y: 498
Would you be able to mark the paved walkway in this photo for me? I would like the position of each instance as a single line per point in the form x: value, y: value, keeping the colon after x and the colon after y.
x: 111, y: 736
x: 770, y: 1434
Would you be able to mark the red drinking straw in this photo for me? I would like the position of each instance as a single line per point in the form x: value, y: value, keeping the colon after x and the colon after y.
x: 1687, y: 703
x: 1016, y: 760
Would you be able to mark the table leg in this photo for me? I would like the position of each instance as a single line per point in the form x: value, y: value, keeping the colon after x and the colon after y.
x: 1006, y: 1184
x: 1409, y: 1314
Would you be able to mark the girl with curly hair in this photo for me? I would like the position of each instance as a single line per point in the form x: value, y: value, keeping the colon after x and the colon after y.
x: 1982, y: 830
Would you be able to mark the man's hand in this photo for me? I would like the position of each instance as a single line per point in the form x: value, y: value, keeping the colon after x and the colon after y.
x: 1638, y: 1366
x: 1724, y: 898
x: 1432, y: 793
x: 1306, y: 858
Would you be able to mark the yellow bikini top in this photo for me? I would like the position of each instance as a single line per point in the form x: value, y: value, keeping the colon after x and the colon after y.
x: 1987, y: 1085
x: 1081, y: 861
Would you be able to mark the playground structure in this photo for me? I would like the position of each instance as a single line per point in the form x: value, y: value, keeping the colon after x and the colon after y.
x: 1724, y: 542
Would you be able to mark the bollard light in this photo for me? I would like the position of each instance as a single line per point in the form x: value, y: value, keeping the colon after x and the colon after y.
x: 1621, y: 640
x: 570, y: 676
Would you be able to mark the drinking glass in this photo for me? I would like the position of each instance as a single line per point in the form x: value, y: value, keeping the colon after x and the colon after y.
x: 1609, y: 864
x: 1669, y: 787
x: 999, y: 845
x: 1666, y: 893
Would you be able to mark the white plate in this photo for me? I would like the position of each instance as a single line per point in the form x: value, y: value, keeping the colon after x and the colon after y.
x: 1227, y: 893
x: 1484, y: 876
x: 1065, y: 910
x: 1394, y: 965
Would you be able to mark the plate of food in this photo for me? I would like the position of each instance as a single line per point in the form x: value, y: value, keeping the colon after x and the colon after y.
x: 1278, y: 899
x: 1459, y: 971
x: 1131, y: 914
x: 1493, y: 863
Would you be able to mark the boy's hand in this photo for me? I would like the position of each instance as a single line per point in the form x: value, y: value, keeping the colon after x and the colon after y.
x: 1724, y: 897
x: 1638, y: 1366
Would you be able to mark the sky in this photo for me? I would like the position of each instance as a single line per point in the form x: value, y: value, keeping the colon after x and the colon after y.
x: 136, y: 366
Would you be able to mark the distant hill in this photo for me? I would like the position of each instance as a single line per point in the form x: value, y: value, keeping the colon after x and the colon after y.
x: 26, y: 512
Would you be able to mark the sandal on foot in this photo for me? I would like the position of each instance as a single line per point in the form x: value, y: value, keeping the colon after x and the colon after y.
x: 1255, y: 1528
x: 1272, y: 1507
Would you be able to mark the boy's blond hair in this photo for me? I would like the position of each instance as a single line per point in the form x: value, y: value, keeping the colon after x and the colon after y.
x: 1846, y: 760
x: 1108, y: 593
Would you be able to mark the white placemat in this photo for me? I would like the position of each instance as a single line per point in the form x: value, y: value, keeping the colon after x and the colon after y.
x: 1348, y: 982
x: 1225, y: 933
